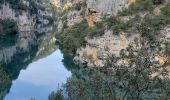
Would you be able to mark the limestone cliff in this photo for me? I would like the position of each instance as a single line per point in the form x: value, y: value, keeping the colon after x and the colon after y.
x: 25, y: 20
x: 91, y: 10
x: 95, y: 50
x: 29, y: 20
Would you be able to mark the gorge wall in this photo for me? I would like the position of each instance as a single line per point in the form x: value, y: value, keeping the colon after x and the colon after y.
x: 96, y: 49
x: 91, y: 10
x: 29, y: 19
x: 95, y: 11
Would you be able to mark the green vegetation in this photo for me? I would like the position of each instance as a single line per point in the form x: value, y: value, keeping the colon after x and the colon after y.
x: 34, y: 7
x: 97, y: 30
x: 117, y: 25
x: 78, y: 6
x: 14, y: 67
x: 56, y: 95
x: 10, y: 70
x: 156, y: 2
x: 140, y: 6
x: 148, y: 26
x: 133, y: 81
x: 8, y: 27
x: 119, y: 85
x: 167, y: 48
x: 1, y: 2
x: 8, y: 32
x: 166, y: 10
x: 73, y: 37
x: 16, y: 4
x: 151, y: 25
x: 77, y: 89
x: 44, y: 17
x: 5, y: 81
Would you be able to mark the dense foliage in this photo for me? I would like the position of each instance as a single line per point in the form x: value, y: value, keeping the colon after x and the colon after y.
x: 73, y: 37
x: 167, y: 49
x: 149, y: 25
x: 8, y: 32
x: 1, y: 2
x: 141, y: 78
x: 141, y: 6
x: 5, y: 81
x: 135, y: 81
x: 8, y: 27
x: 56, y: 95
x: 166, y: 10
x: 152, y: 24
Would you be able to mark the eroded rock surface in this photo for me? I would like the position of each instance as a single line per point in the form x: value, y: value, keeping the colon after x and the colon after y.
x: 98, y: 48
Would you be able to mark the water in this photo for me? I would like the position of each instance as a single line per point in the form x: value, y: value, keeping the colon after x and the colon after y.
x: 39, y: 79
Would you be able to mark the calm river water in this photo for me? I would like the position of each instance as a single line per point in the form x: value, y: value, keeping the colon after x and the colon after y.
x: 39, y: 79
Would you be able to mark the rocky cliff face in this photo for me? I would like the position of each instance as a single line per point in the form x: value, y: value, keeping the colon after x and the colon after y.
x: 95, y: 11
x: 23, y: 44
x: 91, y: 10
x: 27, y: 24
x: 97, y: 49
x: 25, y: 21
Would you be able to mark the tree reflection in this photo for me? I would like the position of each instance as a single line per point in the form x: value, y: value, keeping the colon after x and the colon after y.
x: 12, y: 69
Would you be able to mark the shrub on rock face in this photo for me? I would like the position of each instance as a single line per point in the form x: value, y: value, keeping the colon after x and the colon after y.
x: 5, y: 82
x: 8, y: 27
x: 56, y: 95
x: 78, y: 6
x: 8, y: 32
x: 156, y: 2
x: 167, y: 48
x: 166, y: 10
x: 139, y: 5
x: 73, y: 37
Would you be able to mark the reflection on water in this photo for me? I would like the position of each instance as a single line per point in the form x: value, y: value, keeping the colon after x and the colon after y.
x: 39, y: 79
